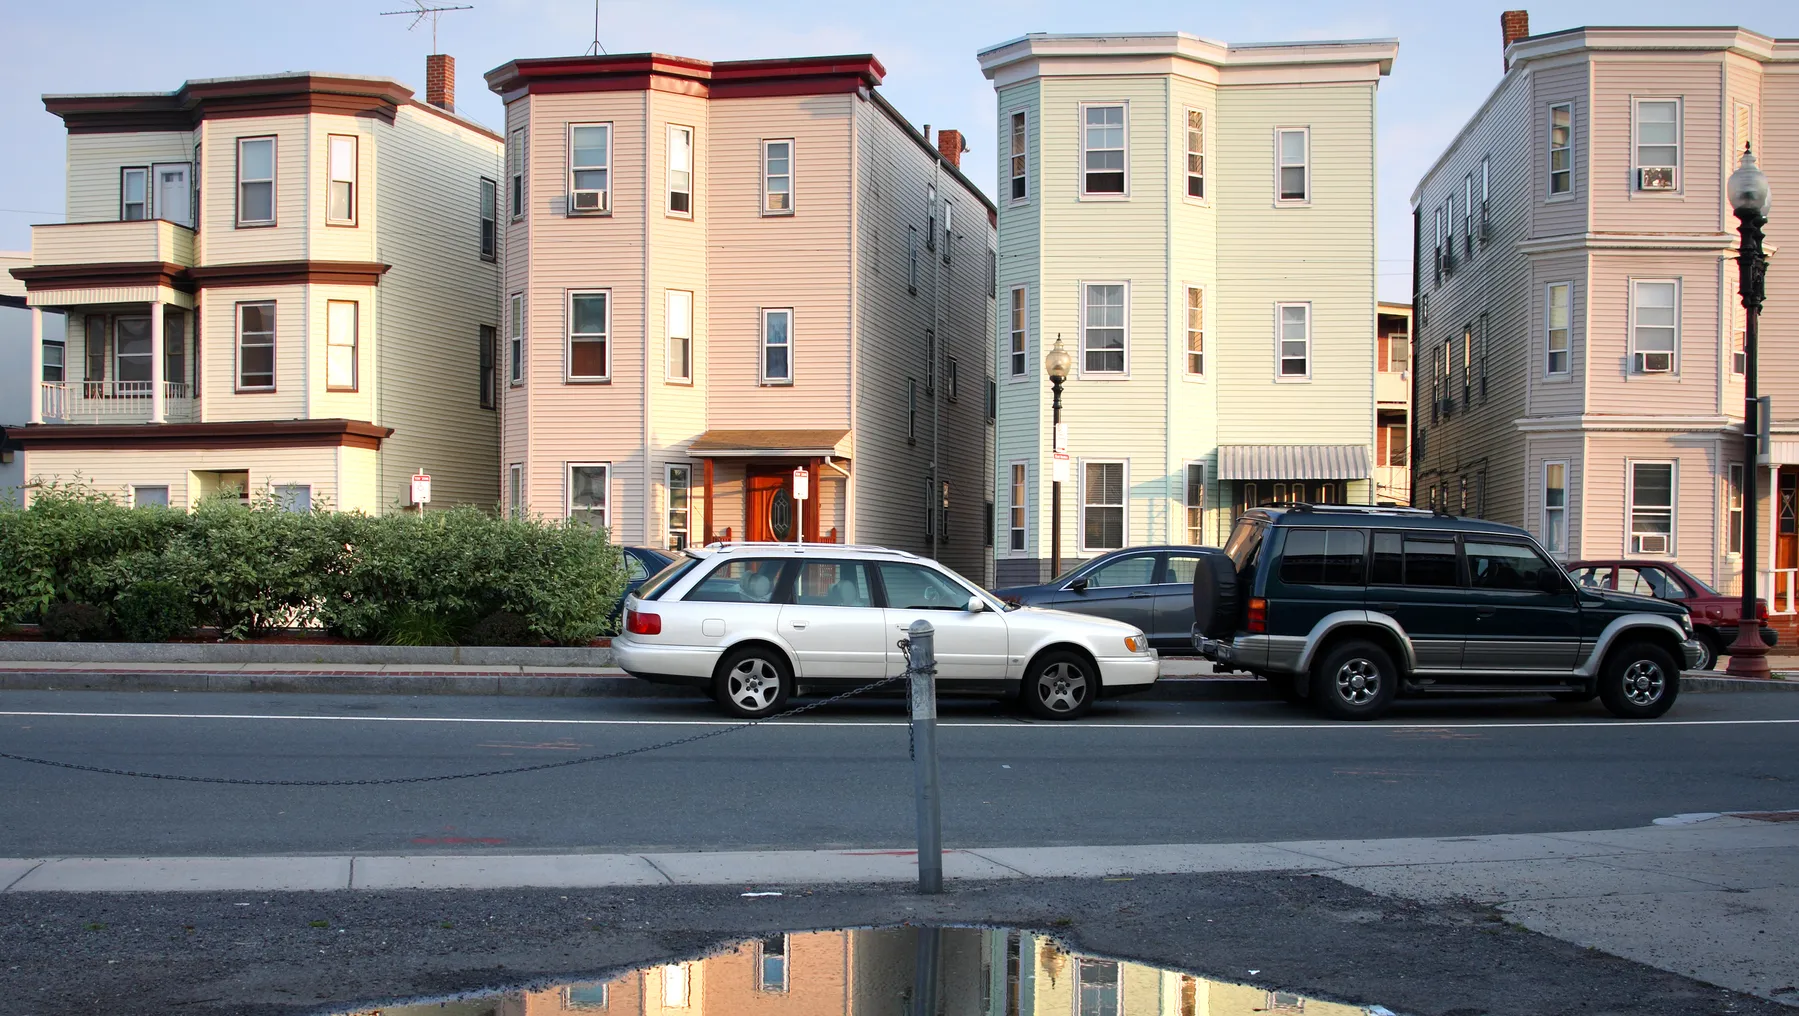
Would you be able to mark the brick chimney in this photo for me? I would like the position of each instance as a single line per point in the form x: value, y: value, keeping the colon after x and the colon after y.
x: 1513, y: 25
x: 952, y: 146
x: 440, y: 81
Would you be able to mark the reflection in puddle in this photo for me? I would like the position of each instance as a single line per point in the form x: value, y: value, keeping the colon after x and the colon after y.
x: 878, y: 973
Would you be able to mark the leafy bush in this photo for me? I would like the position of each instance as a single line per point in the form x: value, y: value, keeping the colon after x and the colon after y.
x: 409, y: 626
x: 154, y: 610
x: 501, y: 628
x: 75, y: 622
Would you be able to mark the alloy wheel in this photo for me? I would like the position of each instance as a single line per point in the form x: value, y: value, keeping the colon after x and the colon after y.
x: 1062, y: 687
x: 753, y: 684
x: 1358, y: 681
x: 1643, y: 683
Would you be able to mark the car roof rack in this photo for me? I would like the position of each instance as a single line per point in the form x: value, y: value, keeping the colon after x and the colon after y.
x: 1360, y: 509
x: 724, y: 547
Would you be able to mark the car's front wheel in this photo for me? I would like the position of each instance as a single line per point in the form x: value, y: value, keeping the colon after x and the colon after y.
x: 1710, y: 648
x: 1355, y: 681
x: 1060, y: 686
x: 753, y: 682
x: 1639, y: 681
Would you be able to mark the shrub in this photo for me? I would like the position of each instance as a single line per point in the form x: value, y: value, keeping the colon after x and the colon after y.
x: 154, y: 610
x: 501, y: 628
x: 410, y: 626
x: 75, y: 622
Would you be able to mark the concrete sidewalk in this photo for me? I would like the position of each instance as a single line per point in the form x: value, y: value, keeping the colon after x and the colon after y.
x: 1713, y: 897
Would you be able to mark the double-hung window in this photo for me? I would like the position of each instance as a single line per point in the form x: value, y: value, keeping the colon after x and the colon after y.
x: 930, y: 217
x: 1739, y: 332
x: 589, y: 486
x: 490, y: 227
x: 515, y: 172
x: 1486, y: 344
x: 1293, y: 340
x: 1468, y: 214
x: 1559, y: 321
x: 256, y: 346
x: 590, y: 335
x: 680, y: 171
x: 1555, y: 507
x: 134, y: 193
x: 1293, y: 164
x: 1097, y: 988
x: 1468, y: 365
x: 1654, y: 325
x: 488, y: 382
x: 1449, y: 234
x: 777, y: 345
x: 952, y: 378
x: 515, y: 490
x: 1652, y: 507
x: 255, y: 181
x: 1658, y: 144
x: 773, y: 954
x: 55, y: 360
x: 340, y: 195
x: 680, y: 515
x: 679, y: 322
x: 340, y: 345
x: 1103, y: 136
x: 1436, y: 222
x: 1196, y: 331
x: 1196, y: 502
x: 515, y: 339
x: 1486, y: 184
x: 1196, y: 154
x: 1019, y: 333
x: 911, y: 411
x: 590, y: 169
x: 1102, y: 505
x: 1019, y: 164
x: 912, y: 260
x: 1561, y: 149
x: 777, y: 177
x: 1103, y: 328
x: 1015, y: 508
x: 1733, y: 537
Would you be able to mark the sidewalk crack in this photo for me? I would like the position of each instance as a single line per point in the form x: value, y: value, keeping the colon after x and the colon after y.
x: 23, y: 876
x: 665, y: 875
x: 993, y: 860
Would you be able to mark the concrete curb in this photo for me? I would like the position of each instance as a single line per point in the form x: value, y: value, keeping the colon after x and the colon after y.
x: 222, y: 653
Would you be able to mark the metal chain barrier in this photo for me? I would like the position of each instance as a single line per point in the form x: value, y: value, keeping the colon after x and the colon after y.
x: 607, y: 757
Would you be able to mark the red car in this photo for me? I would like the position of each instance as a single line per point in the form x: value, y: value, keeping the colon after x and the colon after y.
x: 1715, y: 615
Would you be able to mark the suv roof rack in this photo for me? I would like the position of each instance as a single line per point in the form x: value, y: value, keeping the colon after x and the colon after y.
x: 1360, y: 509
x: 722, y: 547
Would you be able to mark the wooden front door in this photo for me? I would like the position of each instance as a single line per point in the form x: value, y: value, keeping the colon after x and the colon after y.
x: 770, y: 513
x: 1786, y: 518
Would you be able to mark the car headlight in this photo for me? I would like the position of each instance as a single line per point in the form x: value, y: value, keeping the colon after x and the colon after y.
x: 1136, y: 643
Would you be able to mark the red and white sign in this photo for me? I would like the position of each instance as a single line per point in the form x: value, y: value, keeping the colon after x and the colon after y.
x: 1061, y: 467
x: 801, y: 484
x: 421, y: 488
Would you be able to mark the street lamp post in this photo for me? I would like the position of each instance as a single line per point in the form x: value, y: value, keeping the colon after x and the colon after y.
x: 1748, y: 193
x: 1056, y: 363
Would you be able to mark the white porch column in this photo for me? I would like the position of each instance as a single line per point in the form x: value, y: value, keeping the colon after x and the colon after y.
x: 37, y: 365
x: 158, y: 404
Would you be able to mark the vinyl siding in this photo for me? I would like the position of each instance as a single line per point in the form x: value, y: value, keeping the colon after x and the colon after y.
x: 1605, y: 504
x: 219, y: 401
x: 1562, y: 394
x: 1691, y: 390
x: 94, y: 161
x: 219, y: 241
x: 1563, y: 81
x: 1618, y: 81
x: 677, y: 260
x: 114, y: 474
x: 329, y: 242
x: 1024, y: 401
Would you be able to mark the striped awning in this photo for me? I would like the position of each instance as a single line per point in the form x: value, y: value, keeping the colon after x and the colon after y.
x: 1293, y: 462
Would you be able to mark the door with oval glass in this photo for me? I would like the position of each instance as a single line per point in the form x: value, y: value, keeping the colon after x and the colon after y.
x: 770, y: 512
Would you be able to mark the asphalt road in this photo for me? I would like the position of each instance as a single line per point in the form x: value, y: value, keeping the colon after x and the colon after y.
x: 1134, y: 772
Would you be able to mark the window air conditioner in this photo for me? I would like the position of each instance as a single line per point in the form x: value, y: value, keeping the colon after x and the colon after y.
x: 1657, y: 544
x: 589, y: 201
x: 1653, y: 178
x: 1655, y: 363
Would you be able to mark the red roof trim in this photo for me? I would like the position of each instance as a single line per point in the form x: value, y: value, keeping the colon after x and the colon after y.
x: 660, y: 72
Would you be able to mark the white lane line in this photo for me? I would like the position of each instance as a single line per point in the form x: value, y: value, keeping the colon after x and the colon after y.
x: 1077, y: 725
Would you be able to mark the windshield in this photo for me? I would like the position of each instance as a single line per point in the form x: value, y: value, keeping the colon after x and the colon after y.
x: 657, y: 583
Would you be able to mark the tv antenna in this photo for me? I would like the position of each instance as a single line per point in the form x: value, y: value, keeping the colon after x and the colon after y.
x: 596, y: 49
x: 420, y: 10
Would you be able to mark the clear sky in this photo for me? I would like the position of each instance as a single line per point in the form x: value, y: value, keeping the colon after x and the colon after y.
x: 1449, y: 59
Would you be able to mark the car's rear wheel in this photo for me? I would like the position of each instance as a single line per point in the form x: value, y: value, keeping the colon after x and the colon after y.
x: 1355, y: 680
x: 1060, y: 686
x: 1639, y: 681
x: 753, y: 682
x: 1710, y: 648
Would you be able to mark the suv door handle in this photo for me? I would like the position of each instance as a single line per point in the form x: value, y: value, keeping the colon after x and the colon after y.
x: 1483, y: 611
x: 1139, y: 594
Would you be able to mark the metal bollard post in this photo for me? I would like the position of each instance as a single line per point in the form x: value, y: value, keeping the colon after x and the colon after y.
x: 921, y: 663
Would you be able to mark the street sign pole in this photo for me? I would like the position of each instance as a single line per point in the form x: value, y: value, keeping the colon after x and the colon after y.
x: 802, y: 489
x: 921, y: 659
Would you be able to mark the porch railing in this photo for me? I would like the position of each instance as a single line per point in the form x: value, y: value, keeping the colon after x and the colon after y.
x: 113, y: 401
x: 1782, y: 583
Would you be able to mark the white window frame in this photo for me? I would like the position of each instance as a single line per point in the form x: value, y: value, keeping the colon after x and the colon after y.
x: 762, y: 347
x: 488, y: 210
x: 669, y: 528
x: 143, y: 175
x: 1018, y: 334
x: 1637, y: 165
x: 949, y: 229
x: 1124, y: 491
x: 515, y: 490
x: 1195, y: 524
x: 1280, y: 340
x: 1018, y: 508
x: 680, y: 138
x: 238, y: 347
x: 674, y: 974
x: 272, y: 180
x: 1281, y: 163
x: 515, y: 176
x: 1081, y: 351
x: 569, y: 337
x: 137, y: 487
x: 515, y: 339
x: 1486, y: 190
x: 912, y: 260
x: 568, y: 491
x: 1018, y: 160
x: 1188, y: 332
x: 334, y: 341
x: 573, y: 170
x: 1188, y: 176
x: 1637, y: 368
x: 1737, y: 351
x: 1549, y: 163
x: 1550, y: 328
x: 789, y: 176
x: 1631, y: 509
x: 1733, y: 510
x: 61, y: 364
x: 762, y: 982
x: 1555, y: 517
x: 1082, y: 150
x: 332, y: 179
x: 676, y: 330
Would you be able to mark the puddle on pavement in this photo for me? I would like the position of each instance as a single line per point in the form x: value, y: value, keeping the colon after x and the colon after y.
x: 889, y: 971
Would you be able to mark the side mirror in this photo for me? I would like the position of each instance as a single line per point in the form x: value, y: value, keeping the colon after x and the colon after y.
x: 976, y: 605
x: 1078, y: 585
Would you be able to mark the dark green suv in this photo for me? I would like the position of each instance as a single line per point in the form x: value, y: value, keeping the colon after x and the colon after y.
x: 1350, y: 607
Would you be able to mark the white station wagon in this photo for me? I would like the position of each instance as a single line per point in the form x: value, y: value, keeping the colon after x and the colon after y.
x: 755, y: 622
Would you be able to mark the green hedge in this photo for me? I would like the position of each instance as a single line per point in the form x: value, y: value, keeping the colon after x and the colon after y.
x: 248, y: 569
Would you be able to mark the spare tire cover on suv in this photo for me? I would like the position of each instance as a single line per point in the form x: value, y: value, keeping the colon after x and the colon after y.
x: 1215, y: 599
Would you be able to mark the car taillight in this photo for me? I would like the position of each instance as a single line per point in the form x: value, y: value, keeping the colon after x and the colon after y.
x: 639, y: 623
x: 1258, y: 615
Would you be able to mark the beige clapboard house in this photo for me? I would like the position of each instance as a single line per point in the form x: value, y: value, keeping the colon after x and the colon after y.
x: 1195, y: 222
x: 285, y: 283
x: 1580, y: 337
x: 719, y: 273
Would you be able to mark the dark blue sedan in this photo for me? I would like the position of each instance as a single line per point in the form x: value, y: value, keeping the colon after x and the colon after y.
x: 640, y: 564
x: 1150, y: 587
